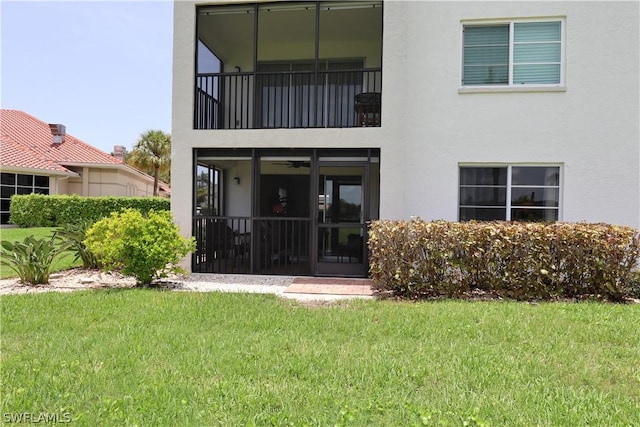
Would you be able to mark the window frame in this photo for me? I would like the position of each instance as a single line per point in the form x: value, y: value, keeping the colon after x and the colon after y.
x: 510, y: 86
x: 16, y: 187
x: 508, y: 207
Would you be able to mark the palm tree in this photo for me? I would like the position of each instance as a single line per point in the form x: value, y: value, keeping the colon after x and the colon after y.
x: 152, y: 152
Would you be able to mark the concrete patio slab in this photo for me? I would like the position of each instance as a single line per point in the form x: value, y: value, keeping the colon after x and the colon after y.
x: 330, y: 286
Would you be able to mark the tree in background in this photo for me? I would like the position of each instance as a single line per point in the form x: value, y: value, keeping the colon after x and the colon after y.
x: 165, y: 173
x: 152, y: 154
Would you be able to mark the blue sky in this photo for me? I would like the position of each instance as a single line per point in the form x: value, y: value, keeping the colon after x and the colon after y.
x: 101, y: 68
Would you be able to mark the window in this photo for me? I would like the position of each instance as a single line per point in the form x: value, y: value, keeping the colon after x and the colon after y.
x: 11, y: 183
x: 511, y: 193
x: 209, y: 181
x: 512, y: 54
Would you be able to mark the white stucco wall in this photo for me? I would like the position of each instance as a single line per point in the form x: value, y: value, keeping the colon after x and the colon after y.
x: 590, y: 127
x: 239, y: 197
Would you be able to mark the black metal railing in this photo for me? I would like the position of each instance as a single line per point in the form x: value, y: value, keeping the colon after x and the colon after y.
x: 283, y: 246
x: 290, y: 99
x: 207, y: 110
x: 251, y: 245
x: 223, y: 245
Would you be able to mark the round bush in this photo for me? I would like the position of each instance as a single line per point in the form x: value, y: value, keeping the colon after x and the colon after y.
x: 144, y: 246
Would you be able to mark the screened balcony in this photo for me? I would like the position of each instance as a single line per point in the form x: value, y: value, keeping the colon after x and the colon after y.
x: 289, y: 65
x: 285, y: 211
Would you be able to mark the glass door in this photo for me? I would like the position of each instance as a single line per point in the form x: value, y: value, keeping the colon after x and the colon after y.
x: 341, y: 215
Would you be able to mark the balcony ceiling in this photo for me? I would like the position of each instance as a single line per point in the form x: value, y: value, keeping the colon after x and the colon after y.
x: 234, y: 33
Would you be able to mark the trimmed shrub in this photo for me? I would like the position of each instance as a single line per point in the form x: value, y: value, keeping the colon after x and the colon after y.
x: 523, y: 261
x: 633, y: 286
x: 144, y: 246
x: 38, y: 210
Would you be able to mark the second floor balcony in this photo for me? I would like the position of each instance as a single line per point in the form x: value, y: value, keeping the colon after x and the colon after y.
x: 288, y: 99
x: 310, y: 64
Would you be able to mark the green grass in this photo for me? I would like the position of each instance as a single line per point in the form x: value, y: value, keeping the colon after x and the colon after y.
x: 153, y: 358
x: 18, y: 234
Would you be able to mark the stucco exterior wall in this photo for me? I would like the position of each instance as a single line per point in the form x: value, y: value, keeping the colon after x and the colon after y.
x: 96, y: 182
x: 58, y: 185
x: 239, y: 198
x: 589, y: 127
x: 74, y: 187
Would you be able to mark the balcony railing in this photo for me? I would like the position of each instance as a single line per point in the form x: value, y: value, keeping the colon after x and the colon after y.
x: 243, y: 245
x: 291, y: 99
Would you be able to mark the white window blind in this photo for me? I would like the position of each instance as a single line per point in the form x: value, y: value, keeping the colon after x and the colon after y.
x: 514, y: 53
x: 486, y: 55
x: 536, y: 53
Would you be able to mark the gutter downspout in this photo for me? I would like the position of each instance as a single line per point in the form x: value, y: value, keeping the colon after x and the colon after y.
x: 58, y: 179
x: 85, y: 181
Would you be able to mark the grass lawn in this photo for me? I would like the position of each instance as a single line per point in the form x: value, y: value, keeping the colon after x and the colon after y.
x: 152, y: 358
x: 18, y: 234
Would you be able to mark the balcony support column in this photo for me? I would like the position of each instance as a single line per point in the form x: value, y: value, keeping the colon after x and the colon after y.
x: 255, y: 67
x: 317, y: 60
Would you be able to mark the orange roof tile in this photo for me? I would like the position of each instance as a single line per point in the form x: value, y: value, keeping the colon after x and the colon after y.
x: 14, y: 154
x: 27, y: 142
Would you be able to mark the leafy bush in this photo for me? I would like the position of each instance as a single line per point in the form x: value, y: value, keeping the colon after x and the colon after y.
x: 144, y: 246
x: 524, y: 261
x: 73, y: 236
x: 31, y: 259
x: 38, y: 210
x: 633, y: 285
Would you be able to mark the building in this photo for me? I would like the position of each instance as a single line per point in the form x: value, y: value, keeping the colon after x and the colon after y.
x: 37, y: 157
x: 294, y: 123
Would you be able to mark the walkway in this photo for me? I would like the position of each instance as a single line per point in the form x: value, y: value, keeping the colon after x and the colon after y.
x: 299, y: 288
x: 333, y: 287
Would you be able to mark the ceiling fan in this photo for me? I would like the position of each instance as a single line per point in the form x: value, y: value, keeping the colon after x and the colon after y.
x: 294, y: 164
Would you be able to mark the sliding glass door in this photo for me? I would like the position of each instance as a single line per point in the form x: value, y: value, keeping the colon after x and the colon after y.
x: 341, y: 213
x: 294, y: 95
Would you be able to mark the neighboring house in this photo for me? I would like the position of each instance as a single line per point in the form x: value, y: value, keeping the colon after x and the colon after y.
x: 42, y: 158
x: 295, y: 123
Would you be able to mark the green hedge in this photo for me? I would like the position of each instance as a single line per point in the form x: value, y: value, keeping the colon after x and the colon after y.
x: 37, y: 210
x: 524, y: 261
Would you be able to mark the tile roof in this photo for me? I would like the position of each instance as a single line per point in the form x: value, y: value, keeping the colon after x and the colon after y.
x: 26, y: 141
x: 14, y: 154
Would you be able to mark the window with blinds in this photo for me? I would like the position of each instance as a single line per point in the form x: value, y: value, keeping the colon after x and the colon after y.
x: 512, y: 54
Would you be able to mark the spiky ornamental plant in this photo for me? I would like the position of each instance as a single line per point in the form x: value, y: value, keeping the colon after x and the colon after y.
x: 31, y: 259
x: 73, y: 236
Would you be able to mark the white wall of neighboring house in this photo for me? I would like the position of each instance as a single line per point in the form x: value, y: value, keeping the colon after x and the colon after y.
x: 589, y: 127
